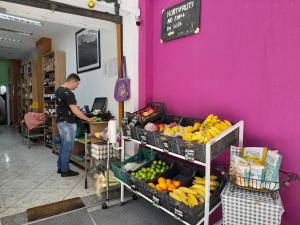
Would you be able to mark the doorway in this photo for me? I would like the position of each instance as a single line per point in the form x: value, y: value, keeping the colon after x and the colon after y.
x: 35, y: 167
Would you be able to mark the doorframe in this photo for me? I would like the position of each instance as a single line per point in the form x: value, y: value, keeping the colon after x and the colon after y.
x: 69, y: 9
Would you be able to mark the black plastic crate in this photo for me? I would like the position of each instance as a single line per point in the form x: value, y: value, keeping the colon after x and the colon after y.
x: 159, y: 139
x: 142, y: 155
x: 153, y: 138
x: 181, y: 172
x: 192, y: 150
x: 132, y: 122
x: 138, y: 185
x: 195, y: 214
x: 172, y: 144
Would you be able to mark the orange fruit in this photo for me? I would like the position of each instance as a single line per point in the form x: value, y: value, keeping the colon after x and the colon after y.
x: 163, y: 186
x: 168, y: 182
x: 158, y: 187
x: 151, y: 184
x: 177, y: 183
x: 171, y: 187
x: 161, y: 180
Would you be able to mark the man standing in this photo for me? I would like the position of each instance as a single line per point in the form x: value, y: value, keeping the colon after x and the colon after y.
x: 67, y: 113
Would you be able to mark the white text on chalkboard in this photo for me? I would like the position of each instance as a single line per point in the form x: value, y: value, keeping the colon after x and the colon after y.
x: 180, y: 9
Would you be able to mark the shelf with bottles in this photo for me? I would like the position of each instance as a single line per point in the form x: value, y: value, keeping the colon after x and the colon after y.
x: 49, y: 65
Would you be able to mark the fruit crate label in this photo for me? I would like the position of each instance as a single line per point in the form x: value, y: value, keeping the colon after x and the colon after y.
x: 128, y: 133
x: 166, y: 146
x: 133, y: 122
x: 143, y: 139
x: 133, y: 187
x: 189, y: 154
x: 178, y: 212
x: 155, y: 201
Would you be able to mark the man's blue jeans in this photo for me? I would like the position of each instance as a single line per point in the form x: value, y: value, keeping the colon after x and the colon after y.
x: 67, y: 132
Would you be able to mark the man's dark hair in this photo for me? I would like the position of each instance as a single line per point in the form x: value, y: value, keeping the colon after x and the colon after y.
x: 73, y: 77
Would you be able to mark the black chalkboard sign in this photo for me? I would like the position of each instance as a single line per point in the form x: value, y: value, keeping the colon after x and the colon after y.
x: 180, y: 20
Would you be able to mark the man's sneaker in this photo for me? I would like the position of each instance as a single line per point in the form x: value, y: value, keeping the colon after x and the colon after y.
x: 58, y: 171
x: 69, y: 173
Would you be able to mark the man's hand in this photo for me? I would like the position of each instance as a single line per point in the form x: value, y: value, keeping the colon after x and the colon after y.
x: 92, y: 119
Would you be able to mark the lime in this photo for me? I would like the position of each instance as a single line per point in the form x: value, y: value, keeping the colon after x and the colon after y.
x: 133, y: 173
x: 162, y: 170
x: 144, y: 169
x: 157, y: 170
x: 164, y: 163
x: 154, y: 162
x: 159, y: 162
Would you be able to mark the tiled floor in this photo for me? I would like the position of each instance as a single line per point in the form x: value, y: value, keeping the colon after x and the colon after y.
x: 28, y: 177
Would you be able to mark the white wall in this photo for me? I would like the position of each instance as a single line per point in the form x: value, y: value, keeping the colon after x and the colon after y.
x: 95, y: 83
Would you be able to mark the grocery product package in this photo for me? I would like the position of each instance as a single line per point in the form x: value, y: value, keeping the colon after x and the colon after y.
x: 240, y: 169
x: 255, y: 154
x: 257, y: 173
x: 272, y: 166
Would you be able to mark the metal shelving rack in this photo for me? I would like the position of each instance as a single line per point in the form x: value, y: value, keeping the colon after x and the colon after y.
x: 207, y: 165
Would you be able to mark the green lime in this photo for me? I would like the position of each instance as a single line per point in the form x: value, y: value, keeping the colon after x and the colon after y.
x: 144, y: 169
x: 133, y: 173
x: 160, y: 162
x: 157, y: 170
x: 152, y: 177
x: 164, y: 163
x: 162, y: 170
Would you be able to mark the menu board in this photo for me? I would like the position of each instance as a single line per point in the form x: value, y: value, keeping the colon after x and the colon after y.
x: 181, y: 20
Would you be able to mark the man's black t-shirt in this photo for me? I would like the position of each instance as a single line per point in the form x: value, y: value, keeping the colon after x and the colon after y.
x: 63, y: 98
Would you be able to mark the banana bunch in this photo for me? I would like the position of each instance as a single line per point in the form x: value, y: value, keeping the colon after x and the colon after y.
x: 194, y: 195
x: 211, y: 127
x: 199, y: 185
x: 187, y: 196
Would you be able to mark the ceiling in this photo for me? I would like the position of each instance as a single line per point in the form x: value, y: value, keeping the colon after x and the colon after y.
x: 19, y: 50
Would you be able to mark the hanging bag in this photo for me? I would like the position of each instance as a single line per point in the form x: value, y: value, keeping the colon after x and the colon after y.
x: 122, y: 88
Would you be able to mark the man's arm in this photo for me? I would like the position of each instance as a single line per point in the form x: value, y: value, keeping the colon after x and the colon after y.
x: 79, y: 114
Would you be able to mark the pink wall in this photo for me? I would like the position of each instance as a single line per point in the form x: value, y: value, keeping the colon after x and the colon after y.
x: 244, y: 64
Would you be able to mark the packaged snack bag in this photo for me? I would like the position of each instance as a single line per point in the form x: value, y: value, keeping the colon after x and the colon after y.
x: 242, y: 172
x: 272, y: 165
x: 255, y: 154
x: 257, y: 173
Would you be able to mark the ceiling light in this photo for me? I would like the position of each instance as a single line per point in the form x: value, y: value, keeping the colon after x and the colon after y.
x: 19, y: 19
x: 10, y: 40
x: 16, y: 31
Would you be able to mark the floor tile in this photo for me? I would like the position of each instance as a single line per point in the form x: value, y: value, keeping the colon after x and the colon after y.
x: 41, y: 197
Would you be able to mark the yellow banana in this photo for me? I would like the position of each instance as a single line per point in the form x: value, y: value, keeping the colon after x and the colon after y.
x: 221, y: 125
x: 228, y: 123
x: 180, y: 193
x: 187, y: 190
x: 216, y: 130
x: 212, y: 177
x: 176, y: 197
x: 192, y: 199
x: 198, y: 186
x: 212, y: 132
x: 200, y: 199
x: 200, y: 192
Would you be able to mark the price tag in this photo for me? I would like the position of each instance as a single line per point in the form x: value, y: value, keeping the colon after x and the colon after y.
x: 155, y: 201
x: 128, y: 133
x: 178, y: 213
x: 189, y: 154
x: 143, y: 139
x: 133, y: 187
x: 165, y: 145
x: 133, y: 122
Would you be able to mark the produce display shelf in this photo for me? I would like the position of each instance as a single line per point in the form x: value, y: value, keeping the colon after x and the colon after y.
x: 239, y: 125
x: 164, y: 209
x: 208, y: 146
